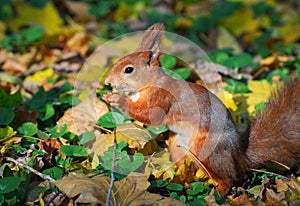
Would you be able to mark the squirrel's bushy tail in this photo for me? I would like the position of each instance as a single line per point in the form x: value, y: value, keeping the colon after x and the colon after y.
x: 275, y: 134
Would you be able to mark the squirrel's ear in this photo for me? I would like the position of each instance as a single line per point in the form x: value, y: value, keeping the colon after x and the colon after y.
x: 151, y: 39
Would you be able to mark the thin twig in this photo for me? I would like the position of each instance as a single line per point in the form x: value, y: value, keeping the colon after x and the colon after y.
x: 103, y: 128
x: 20, y: 164
x: 112, y: 170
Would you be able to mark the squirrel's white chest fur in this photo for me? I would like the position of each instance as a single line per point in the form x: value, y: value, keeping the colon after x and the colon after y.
x: 134, y: 97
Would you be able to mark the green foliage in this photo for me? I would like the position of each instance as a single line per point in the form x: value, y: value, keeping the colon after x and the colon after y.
x: 124, y: 164
x: 234, y: 86
x: 28, y: 129
x: 168, y: 63
x: 7, y: 104
x: 22, y: 38
x: 7, y: 116
x: 56, y: 134
x: 194, y: 195
x: 54, y: 172
x: 283, y: 73
x: 86, y: 137
x: 174, y: 187
x: 102, y: 7
x: 157, y: 129
x: 9, y: 100
x: 223, y: 57
x: 61, y: 162
x: 9, y: 184
x: 44, y: 102
x: 111, y: 120
x: 73, y: 151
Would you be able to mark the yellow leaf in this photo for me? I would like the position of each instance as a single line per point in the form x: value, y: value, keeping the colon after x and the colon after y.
x: 200, y: 175
x: 2, y: 30
x: 40, y: 76
x: 260, y: 92
x: 159, y: 165
x: 242, y: 21
x: 225, y: 40
x: 182, y: 22
x: 227, y: 99
x: 290, y: 32
x: 123, y: 12
x: 46, y: 17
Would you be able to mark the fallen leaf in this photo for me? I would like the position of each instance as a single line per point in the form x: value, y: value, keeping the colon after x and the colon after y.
x: 226, y: 40
x: 160, y: 165
x: 242, y: 21
x: 136, y: 132
x: 79, y: 43
x: 281, y: 186
x: 242, y: 200
x: 275, y: 198
x: 51, y: 146
x: 83, y: 117
x: 227, y: 99
x: 101, y: 142
x: 260, y: 92
x: 294, y: 184
x: 40, y: 76
x: 46, y: 17
x: 131, y: 190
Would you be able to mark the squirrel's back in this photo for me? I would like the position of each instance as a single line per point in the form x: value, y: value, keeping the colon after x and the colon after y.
x: 275, y: 134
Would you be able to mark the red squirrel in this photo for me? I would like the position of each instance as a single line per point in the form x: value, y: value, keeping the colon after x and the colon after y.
x: 199, y: 121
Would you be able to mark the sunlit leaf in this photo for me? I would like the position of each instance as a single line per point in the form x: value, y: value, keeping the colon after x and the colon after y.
x: 6, y: 132
x: 239, y: 60
x: 47, y: 17
x: 183, y: 73
x: 73, y: 151
x: 28, y: 129
x: 54, y: 172
x: 111, y: 120
x: 56, y: 134
x: 167, y: 61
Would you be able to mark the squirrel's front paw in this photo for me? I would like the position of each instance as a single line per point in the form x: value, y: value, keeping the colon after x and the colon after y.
x: 114, y: 99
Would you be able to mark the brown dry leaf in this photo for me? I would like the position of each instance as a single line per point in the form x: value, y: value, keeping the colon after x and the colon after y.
x: 242, y: 200
x: 281, y: 186
x: 13, y: 66
x: 275, y: 198
x: 79, y: 42
x: 129, y: 191
x: 83, y: 117
x: 51, y: 146
x: 294, y: 184
x: 88, y: 190
x: 19, y: 62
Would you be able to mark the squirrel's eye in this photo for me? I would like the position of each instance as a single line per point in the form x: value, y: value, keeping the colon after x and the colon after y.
x: 129, y: 69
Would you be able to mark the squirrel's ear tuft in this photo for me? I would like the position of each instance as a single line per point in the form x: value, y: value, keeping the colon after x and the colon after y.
x: 151, y: 38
